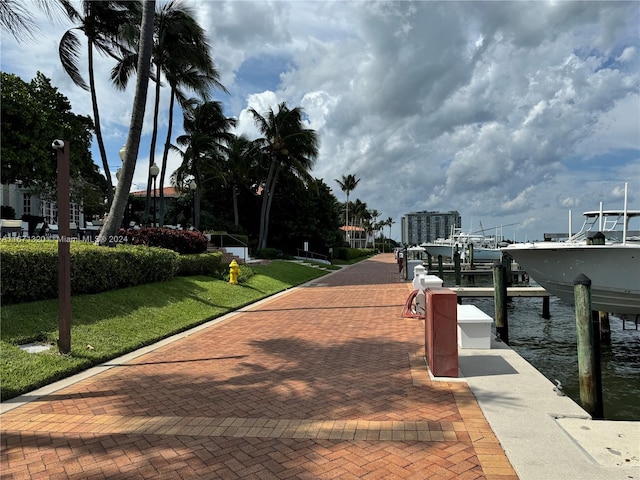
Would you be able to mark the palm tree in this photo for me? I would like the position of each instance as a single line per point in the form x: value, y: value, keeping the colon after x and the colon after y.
x: 359, y: 213
x: 101, y: 22
x: 372, y: 224
x: 389, y: 221
x: 207, y: 133
x: 348, y: 184
x: 287, y: 145
x: 241, y: 156
x: 181, y: 54
x: 116, y: 212
x: 17, y: 19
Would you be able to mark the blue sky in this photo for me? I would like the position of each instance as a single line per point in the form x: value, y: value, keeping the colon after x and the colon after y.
x: 509, y: 112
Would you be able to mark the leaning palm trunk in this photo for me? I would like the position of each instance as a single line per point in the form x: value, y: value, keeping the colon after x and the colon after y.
x: 116, y: 212
x: 262, y: 241
x: 235, y: 194
x: 98, y: 130
x: 152, y: 148
x: 165, y: 155
x: 269, y: 200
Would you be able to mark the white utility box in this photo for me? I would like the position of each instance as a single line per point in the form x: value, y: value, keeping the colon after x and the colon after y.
x: 411, y: 265
x: 474, y: 327
x: 422, y: 280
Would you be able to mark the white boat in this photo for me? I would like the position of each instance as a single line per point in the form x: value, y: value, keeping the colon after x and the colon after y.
x: 485, y: 249
x: 610, y: 260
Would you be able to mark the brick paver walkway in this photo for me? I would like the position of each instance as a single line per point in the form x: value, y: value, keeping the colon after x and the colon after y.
x: 324, y: 382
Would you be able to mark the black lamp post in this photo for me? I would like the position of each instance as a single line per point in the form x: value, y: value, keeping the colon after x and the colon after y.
x: 154, y: 170
x: 193, y: 186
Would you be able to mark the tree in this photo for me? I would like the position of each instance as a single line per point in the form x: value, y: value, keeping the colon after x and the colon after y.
x: 101, y: 22
x: 348, y: 184
x: 17, y: 19
x: 286, y: 145
x: 207, y: 133
x: 181, y: 55
x: 33, y: 115
x: 116, y: 213
x: 389, y: 221
x: 241, y: 157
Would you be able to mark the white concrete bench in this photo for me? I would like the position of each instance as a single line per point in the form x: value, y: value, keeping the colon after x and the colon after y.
x: 474, y: 327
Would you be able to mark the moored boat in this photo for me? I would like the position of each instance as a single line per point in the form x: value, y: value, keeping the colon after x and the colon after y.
x: 484, y: 248
x: 605, y: 250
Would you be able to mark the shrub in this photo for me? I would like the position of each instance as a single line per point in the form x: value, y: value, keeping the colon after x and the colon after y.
x: 7, y: 212
x: 200, y: 264
x: 29, y: 269
x: 245, y: 274
x: 181, y: 241
x: 268, y: 253
x: 348, y: 254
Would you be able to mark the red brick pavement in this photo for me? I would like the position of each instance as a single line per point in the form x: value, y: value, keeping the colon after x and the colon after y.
x: 324, y: 382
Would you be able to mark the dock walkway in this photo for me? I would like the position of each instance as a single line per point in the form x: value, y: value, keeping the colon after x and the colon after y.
x: 325, y: 381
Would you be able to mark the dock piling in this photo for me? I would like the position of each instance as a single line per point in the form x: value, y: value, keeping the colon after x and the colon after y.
x: 456, y: 266
x: 588, y: 348
x: 604, y: 327
x: 500, y: 301
x: 546, y: 311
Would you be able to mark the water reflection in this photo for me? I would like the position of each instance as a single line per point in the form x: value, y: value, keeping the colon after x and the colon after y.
x: 551, y: 347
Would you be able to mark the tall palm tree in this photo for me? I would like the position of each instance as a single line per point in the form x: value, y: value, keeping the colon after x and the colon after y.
x: 116, y: 212
x: 389, y: 221
x: 348, y: 184
x: 101, y: 23
x: 241, y: 157
x: 287, y: 145
x: 17, y: 19
x: 181, y: 55
x: 372, y: 224
x: 207, y: 131
x: 359, y: 212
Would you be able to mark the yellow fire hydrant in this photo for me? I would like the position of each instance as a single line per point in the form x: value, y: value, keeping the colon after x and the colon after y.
x: 234, y: 272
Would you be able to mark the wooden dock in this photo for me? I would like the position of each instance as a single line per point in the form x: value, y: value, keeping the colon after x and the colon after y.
x: 511, y: 292
x: 490, y: 291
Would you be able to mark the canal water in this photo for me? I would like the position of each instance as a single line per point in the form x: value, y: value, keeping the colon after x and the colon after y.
x: 550, y: 345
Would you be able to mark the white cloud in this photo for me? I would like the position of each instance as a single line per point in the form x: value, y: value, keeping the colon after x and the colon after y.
x: 510, y: 112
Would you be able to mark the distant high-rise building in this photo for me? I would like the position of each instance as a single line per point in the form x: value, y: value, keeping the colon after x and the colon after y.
x: 420, y: 227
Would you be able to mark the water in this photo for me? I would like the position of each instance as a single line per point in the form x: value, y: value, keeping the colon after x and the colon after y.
x: 550, y: 345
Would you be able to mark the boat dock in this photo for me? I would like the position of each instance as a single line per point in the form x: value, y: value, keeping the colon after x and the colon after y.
x: 490, y: 291
x: 325, y: 380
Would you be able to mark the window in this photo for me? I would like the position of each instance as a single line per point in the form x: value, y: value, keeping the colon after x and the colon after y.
x: 26, y: 204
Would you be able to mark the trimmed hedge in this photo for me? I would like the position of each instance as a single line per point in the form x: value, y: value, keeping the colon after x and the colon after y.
x: 181, y: 241
x: 200, y: 264
x: 29, y: 269
x: 268, y: 253
x: 347, y: 254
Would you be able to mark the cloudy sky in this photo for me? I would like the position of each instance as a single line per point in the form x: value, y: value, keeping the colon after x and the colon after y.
x: 512, y: 113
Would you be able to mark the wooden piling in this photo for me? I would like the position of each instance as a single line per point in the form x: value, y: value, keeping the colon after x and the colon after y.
x: 500, y: 301
x: 456, y: 266
x: 440, y: 267
x: 588, y: 349
x: 507, y: 261
x: 429, y: 261
x: 604, y: 327
x: 471, y: 256
x: 546, y: 311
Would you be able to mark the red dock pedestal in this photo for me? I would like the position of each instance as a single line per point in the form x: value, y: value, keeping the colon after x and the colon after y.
x: 441, y: 332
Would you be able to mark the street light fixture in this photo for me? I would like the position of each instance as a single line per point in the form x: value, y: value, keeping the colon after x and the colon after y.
x: 193, y: 186
x: 154, y: 170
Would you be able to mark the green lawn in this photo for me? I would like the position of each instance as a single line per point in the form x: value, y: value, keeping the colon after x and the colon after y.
x: 107, y: 325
